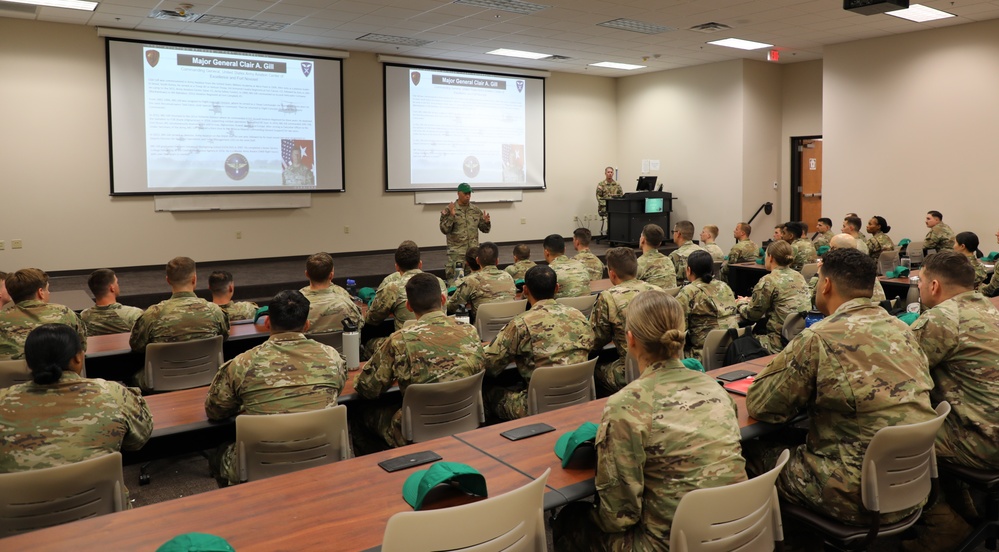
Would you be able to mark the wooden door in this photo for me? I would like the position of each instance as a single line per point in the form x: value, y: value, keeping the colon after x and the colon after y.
x: 811, y: 182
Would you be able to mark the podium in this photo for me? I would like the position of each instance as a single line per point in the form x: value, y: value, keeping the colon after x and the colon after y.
x: 627, y: 215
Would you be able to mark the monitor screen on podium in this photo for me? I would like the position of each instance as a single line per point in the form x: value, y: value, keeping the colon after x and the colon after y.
x: 653, y: 205
x: 646, y: 183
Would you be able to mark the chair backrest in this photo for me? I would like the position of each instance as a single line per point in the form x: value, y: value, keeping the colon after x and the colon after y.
x: 631, y: 369
x: 432, y: 410
x: 36, y: 499
x: 511, y: 522
x: 554, y: 387
x: 674, y: 291
x: 715, y: 345
x: 809, y: 270
x: 716, y: 269
x: 491, y: 317
x: 915, y: 253
x: 900, y: 464
x: 13, y: 372
x: 583, y: 303
x: 330, y: 339
x: 275, y: 444
x: 743, y: 516
x: 887, y: 261
x: 794, y: 323
x: 182, y: 364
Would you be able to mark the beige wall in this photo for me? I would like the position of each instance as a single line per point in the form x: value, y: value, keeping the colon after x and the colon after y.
x: 54, y: 150
x: 762, y: 146
x: 910, y: 125
x: 801, y: 115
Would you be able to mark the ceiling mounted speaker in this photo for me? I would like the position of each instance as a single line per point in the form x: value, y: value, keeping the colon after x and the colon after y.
x: 873, y: 7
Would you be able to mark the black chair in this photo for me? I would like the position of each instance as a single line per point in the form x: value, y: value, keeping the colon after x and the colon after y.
x: 987, y: 482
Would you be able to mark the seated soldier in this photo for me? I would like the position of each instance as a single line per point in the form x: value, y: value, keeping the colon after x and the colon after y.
x: 471, y: 265
x: 487, y: 285
x: 107, y: 316
x: 804, y: 251
x: 221, y: 285
x: 851, y: 227
x: 708, y: 236
x: 390, y: 298
x: 683, y: 234
x: 286, y: 373
x: 708, y: 303
x: 581, y: 243
x: 654, y: 267
x: 547, y: 335
x: 435, y: 349
x: 967, y: 244
x: 29, y: 294
x: 521, y: 262
x: 826, y: 372
x: 608, y: 316
x: 846, y: 241
x: 745, y: 250
x: 940, y: 237
x: 823, y: 233
x: 573, y: 278
x: 182, y: 317
x: 777, y: 295
x: 330, y: 304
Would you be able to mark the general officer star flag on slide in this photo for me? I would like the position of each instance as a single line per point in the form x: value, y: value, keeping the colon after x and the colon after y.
x: 304, y: 147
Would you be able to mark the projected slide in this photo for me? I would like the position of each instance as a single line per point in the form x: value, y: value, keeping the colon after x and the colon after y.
x: 219, y: 121
x: 445, y: 127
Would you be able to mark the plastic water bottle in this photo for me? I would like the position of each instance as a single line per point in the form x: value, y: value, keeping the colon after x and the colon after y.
x: 351, y: 287
x: 459, y: 270
x: 351, y: 344
x: 912, y: 297
x: 461, y: 315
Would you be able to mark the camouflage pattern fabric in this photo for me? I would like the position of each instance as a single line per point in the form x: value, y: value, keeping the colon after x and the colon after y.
x: 707, y: 307
x: 607, y: 190
x: 328, y: 309
x: 110, y: 319
x: 679, y: 258
x: 390, y: 300
x: 656, y: 269
x: 462, y: 231
x: 182, y: 317
x: 822, y: 239
x: 286, y: 373
x: 519, y: 269
x: 878, y: 243
x: 862, y: 246
x: 71, y: 420
x: 717, y: 254
x: 573, y: 277
x: 940, y: 237
x: 607, y: 319
x: 990, y: 289
x: 744, y: 251
x: 854, y: 372
x: 547, y: 335
x: 17, y: 321
x: 298, y: 175
x: 804, y: 253
x: 435, y: 349
x: 980, y: 273
x: 488, y: 285
x: 309, y: 293
x: 592, y: 264
x: 647, y: 461
x: 960, y: 337
x: 778, y: 294
x: 239, y: 310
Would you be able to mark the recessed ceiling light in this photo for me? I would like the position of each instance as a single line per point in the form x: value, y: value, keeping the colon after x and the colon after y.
x: 519, y: 54
x: 390, y: 39
x: 255, y: 24
x: 515, y: 6
x: 70, y: 4
x: 920, y: 13
x: 613, y: 65
x: 740, y: 44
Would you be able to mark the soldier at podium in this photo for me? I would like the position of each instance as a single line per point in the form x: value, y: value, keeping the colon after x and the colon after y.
x: 607, y: 188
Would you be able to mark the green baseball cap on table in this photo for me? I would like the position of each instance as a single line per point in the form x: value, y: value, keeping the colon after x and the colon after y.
x: 567, y: 444
x: 196, y: 542
x: 463, y: 476
x: 464, y: 188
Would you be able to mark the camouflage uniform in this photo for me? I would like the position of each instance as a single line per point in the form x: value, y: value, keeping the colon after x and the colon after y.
x: 862, y: 246
x: 744, y: 251
x: 573, y: 278
x: 821, y: 239
x: 960, y: 337
x: 854, y: 372
x: 310, y: 293
x: 488, y: 285
x: 17, y: 321
x: 647, y: 460
x: 69, y: 421
x: 776, y: 295
x: 518, y: 269
x: 239, y: 310
x: 328, y: 309
x: 390, y: 300
x: 804, y: 253
x: 434, y: 350
x: 878, y: 243
x: 656, y: 269
x: 940, y: 237
x: 989, y: 289
x: 679, y: 258
x: 286, y: 373
x: 462, y: 231
x: 109, y: 319
x: 592, y: 264
x: 980, y: 273
x: 607, y: 190
x: 298, y: 175
x: 607, y: 319
x: 707, y: 307
x: 549, y: 334
x: 716, y: 252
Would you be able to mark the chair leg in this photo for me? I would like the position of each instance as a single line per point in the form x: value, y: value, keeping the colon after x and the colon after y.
x: 144, y: 477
